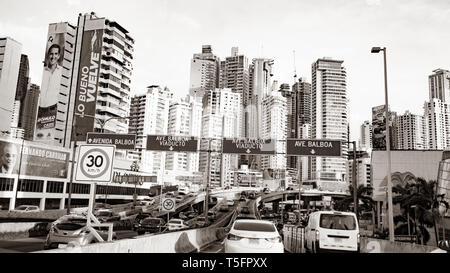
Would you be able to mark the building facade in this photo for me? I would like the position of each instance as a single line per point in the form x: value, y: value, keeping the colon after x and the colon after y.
x: 436, y: 114
x: 439, y: 85
x: 411, y: 132
x: 205, y: 72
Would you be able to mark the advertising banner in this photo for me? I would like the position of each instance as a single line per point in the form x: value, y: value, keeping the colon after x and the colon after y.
x: 87, y: 83
x: 36, y: 160
x: 50, y: 88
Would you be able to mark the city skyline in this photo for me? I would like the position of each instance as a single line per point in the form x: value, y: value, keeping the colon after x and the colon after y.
x: 304, y: 27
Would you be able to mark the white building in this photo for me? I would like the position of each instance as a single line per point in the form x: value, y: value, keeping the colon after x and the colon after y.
x: 222, y: 118
x: 329, y: 116
x: 365, y: 143
x: 184, y: 120
x: 113, y: 96
x: 411, y: 131
x: 274, y: 126
x: 150, y: 112
x: 10, y: 54
x: 204, y: 75
x: 439, y: 85
x: 436, y: 114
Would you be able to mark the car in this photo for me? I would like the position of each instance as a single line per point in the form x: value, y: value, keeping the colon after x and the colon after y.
x: 170, y: 194
x: 106, y: 215
x: 176, y: 224
x: 151, y: 225
x: 138, y: 219
x: 179, y: 199
x: 224, y: 208
x: 290, y: 189
x: 245, y: 216
x: 253, y: 236
x: 183, y: 216
x: 26, y: 209
x: 148, y: 202
x: 332, y: 231
x: 245, y: 210
x: 183, y: 190
x: 244, y: 193
x: 212, y: 215
x: 72, y: 228
x: 242, y: 199
x: 266, y: 190
x: 252, y: 195
x: 191, y: 214
x: 200, y: 222
x: 230, y: 202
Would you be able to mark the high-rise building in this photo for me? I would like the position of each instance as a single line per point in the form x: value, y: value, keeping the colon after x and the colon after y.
x: 302, y: 90
x: 102, y: 76
x: 221, y: 118
x: 329, y: 116
x: 274, y: 126
x: 30, y: 108
x: 291, y: 121
x: 366, y: 136
x: 150, y: 112
x: 439, y: 85
x: 234, y: 73
x: 411, y: 131
x: 184, y: 120
x: 22, y: 85
x: 10, y: 55
x: 54, y: 99
x: 205, y: 72
x: 436, y: 114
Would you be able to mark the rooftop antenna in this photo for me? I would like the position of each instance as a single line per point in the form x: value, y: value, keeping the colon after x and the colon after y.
x: 295, y: 70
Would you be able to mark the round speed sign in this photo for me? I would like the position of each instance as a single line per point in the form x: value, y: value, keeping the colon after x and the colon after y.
x: 95, y: 163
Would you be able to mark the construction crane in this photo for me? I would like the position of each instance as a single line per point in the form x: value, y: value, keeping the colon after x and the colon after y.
x: 295, y: 70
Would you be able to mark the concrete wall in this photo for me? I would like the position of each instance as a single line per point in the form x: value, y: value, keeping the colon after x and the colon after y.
x: 369, y: 245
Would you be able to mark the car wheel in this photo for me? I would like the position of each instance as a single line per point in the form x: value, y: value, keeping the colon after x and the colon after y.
x: 140, y: 232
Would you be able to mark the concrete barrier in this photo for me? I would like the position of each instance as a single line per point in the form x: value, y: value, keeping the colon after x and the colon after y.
x: 16, y: 227
x: 370, y: 245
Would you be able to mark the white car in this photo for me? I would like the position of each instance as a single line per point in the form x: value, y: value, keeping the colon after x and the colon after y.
x: 253, y: 236
x: 26, y: 208
x: 176, y: 224
x: 230, y: 202
x: 332, y: 231
x: 148, y: 202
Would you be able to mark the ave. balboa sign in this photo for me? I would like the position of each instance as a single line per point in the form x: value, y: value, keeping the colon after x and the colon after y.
x: 314, y: 147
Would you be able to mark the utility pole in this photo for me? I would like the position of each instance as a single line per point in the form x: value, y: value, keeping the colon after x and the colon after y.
x: 74, y: 149
x: 208, y: 177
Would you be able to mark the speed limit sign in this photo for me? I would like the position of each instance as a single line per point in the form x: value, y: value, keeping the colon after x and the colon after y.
x: 95, y: 163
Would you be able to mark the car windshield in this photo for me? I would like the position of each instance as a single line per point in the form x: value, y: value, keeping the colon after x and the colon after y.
x: 342, y: 222
x: 72, y: 224
x: 249, y: 226
x: 152, y: 221
x: 178, y: 222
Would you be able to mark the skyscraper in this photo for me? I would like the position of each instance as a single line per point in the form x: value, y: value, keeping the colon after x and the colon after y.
x: 184, y: 120
x: 10, y: 52
x: 366, y: 135
x: 150, y: 112
x: 411, y: 132
x: 102, y: 76
x: 205, y: 71
x: 436, y: 114
x: 22, y: 86
x: 329, y: 116
x: 234, y: 73
x: 439, y: 85
x: 30, y: 108
x: 54, y: 110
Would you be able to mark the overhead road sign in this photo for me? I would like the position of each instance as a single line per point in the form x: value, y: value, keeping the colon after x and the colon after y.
x: 134, y: 179
x: 314, y: 147
x: 122, y: 141
x: 95, y: 163
x: 248, y: 146
x: 172, y: 143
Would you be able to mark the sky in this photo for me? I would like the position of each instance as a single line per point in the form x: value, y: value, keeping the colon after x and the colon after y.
x: 168, y: 32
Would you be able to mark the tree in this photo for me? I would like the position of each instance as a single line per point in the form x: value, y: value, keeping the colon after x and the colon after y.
x: 363, y: 194
x: 419, y: 203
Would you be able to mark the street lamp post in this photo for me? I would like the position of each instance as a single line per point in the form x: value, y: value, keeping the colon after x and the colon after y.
x: 388, y: 147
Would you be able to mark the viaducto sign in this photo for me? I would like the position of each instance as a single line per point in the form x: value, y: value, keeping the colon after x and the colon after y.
x: 249, y: 146
x: 172, y: 143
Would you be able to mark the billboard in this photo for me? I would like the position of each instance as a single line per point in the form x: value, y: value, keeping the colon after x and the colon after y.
x: 50, y: 88
x: 406, y: 166
x: 379, y: 128
x: 32, y: 160
x: 87, y: 82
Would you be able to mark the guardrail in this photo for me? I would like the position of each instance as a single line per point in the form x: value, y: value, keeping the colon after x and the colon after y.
x: 294, y: 238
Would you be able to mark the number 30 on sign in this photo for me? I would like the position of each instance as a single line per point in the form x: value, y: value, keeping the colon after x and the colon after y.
x: 95, y: 163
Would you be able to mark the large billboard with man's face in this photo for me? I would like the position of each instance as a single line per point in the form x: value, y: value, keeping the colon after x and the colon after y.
x: 32, y: 160
x: 87, y: 85
x: 50, y: 88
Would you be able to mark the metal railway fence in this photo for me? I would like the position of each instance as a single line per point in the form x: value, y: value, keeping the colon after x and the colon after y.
x: 294, y: 239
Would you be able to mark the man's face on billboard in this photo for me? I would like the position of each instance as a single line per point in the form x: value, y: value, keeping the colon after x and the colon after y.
x: 9, y: 156
x: 53, y: 56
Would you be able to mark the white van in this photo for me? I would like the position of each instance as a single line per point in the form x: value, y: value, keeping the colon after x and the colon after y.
x: 332, y: 231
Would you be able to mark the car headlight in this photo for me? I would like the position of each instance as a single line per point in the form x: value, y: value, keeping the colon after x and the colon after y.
x: 233, y: 237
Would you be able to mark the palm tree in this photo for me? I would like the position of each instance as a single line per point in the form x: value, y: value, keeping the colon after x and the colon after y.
x: 363, y: 194
x: 419, y: 205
